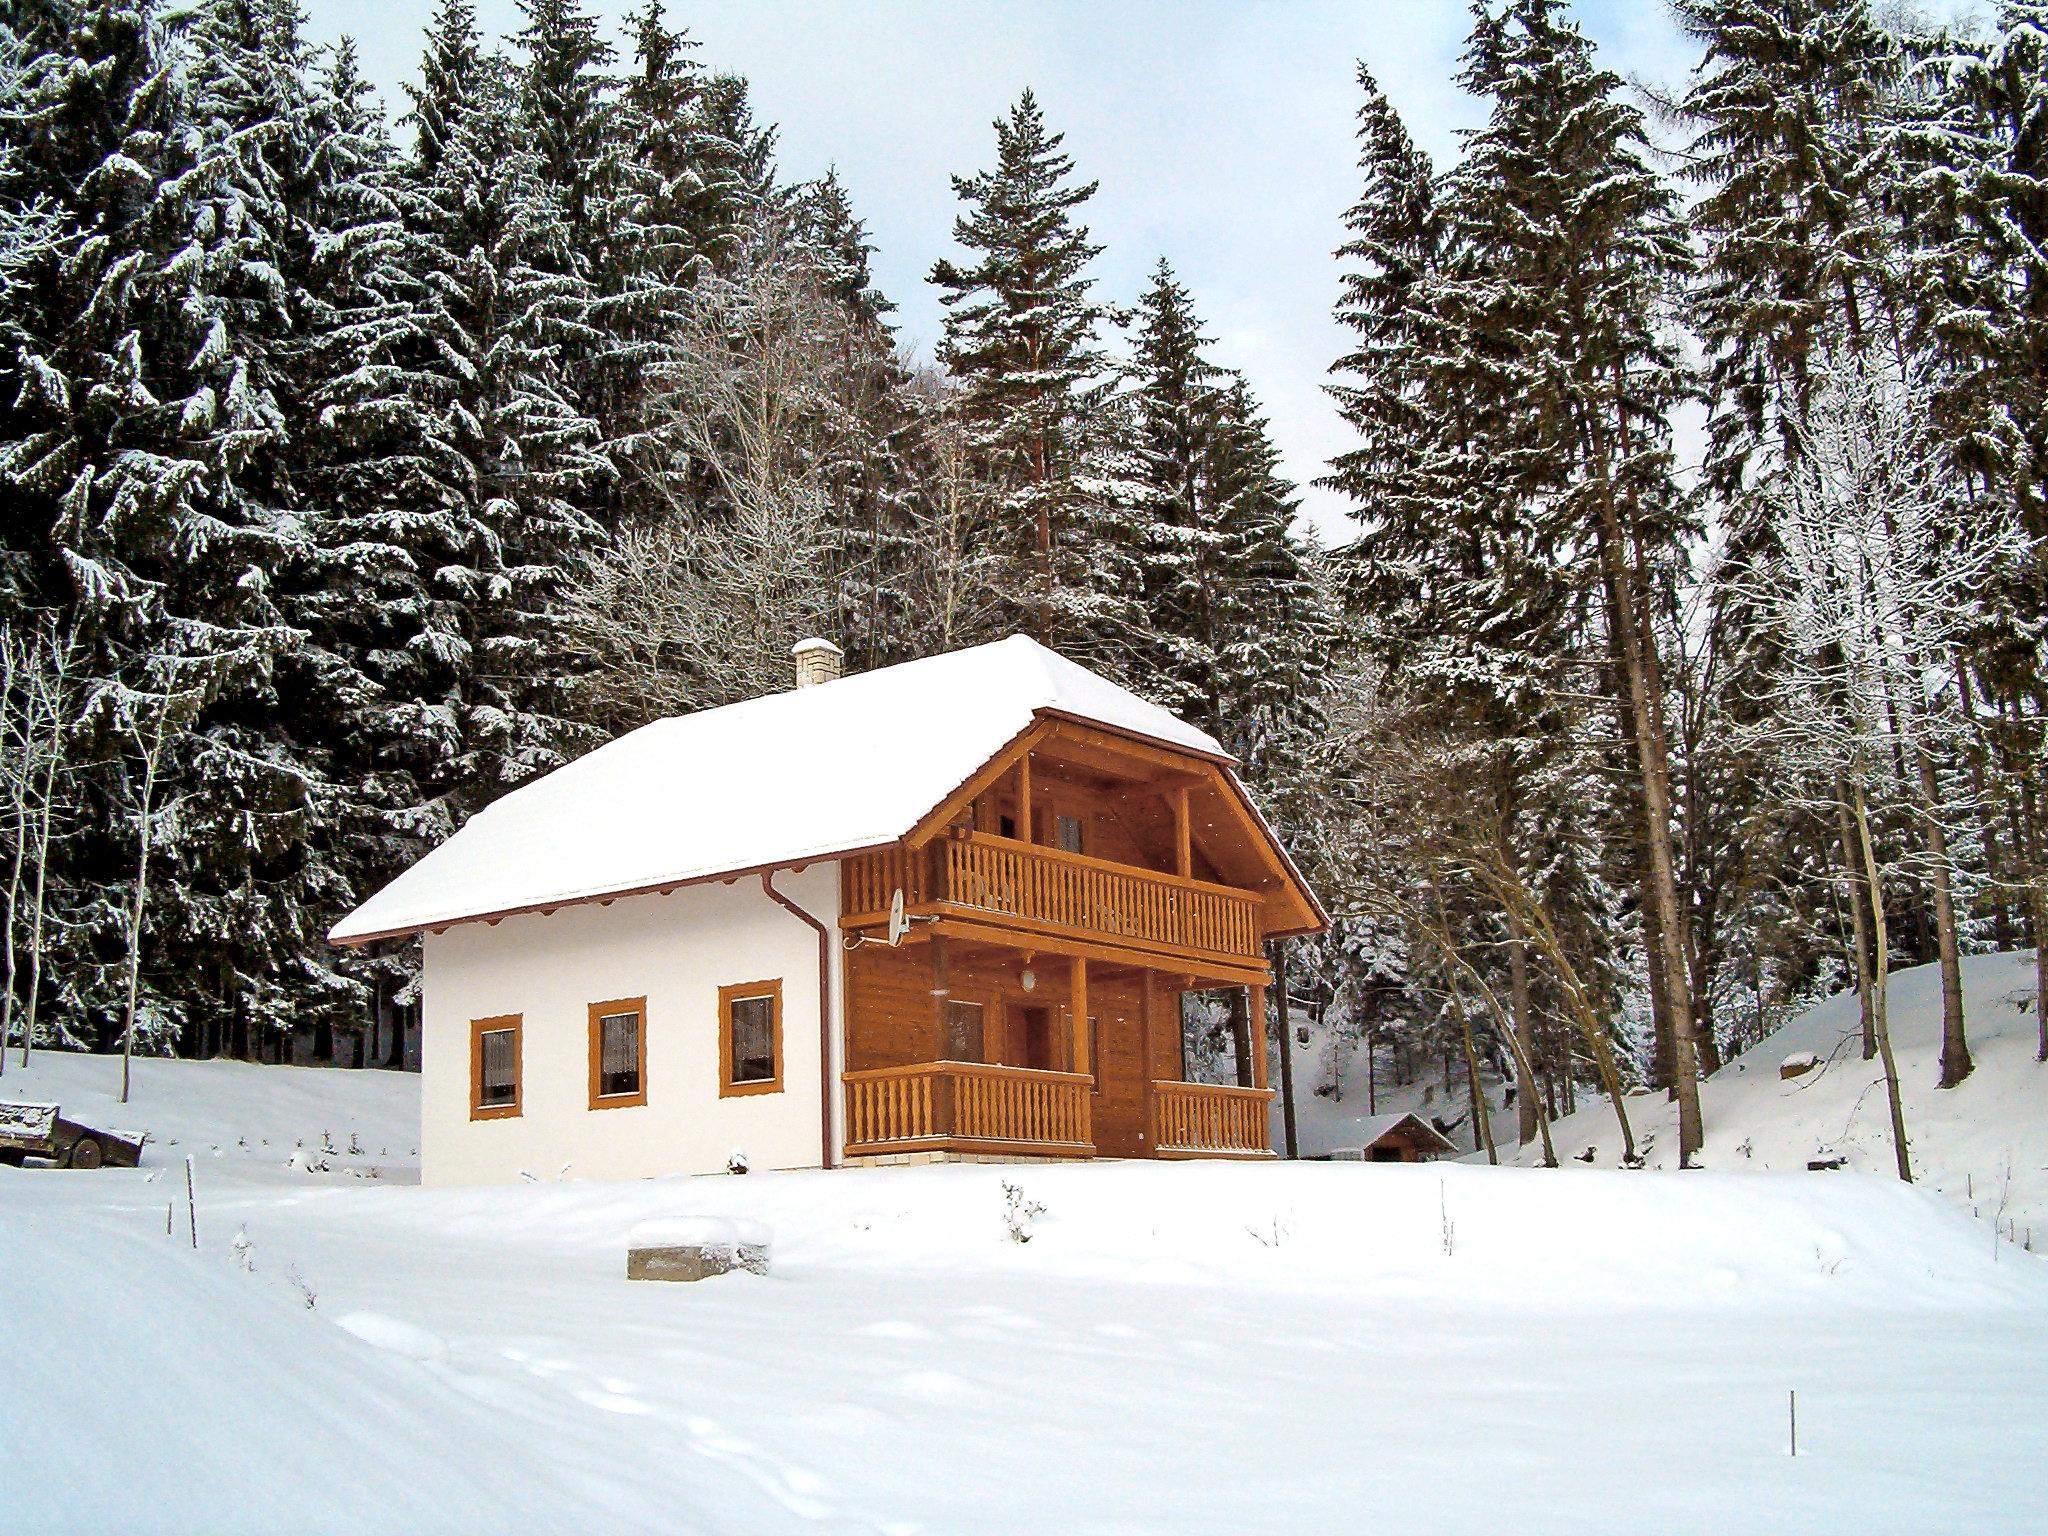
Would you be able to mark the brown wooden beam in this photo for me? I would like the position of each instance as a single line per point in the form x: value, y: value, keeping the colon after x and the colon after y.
x: 1183, y: 835
x: 1255, y: 1000
x: 1024, y: 827
x: 942, y: 995
x: 1077, y: 1002
x: 1201, y: 970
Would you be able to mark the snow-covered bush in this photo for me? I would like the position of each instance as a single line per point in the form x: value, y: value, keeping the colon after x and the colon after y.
x: 1019, y: 1213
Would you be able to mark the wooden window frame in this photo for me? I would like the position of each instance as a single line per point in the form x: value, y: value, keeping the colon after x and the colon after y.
x: 972, y: 1000
x: 1079, y: 822
x: 478, y: 1028
x: 727, y: 996
x: 598, y: 1013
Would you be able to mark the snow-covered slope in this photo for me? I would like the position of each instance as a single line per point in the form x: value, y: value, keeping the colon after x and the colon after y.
x: 1335, y: 1121
x: 360, y: 1124
x: 1200, y: 1347
x: 1983, y: 1145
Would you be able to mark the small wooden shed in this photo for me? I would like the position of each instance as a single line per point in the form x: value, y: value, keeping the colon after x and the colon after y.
x: 1403, y: 1138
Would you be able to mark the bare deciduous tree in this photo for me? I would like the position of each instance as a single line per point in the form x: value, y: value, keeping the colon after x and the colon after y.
x: 1872, y: 598
x: 37, y: 699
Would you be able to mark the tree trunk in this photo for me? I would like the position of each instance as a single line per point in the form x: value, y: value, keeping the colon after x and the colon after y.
x: 1646, y: 717
x: 1880, y: 967
x: 1286, y: 1050
x: 1858, y: 905
x: 1955, y: 1042
x: 1482, y: 1122
x: 1518, y: 1000
x: 1240, y: 1037
x: 147, y: 827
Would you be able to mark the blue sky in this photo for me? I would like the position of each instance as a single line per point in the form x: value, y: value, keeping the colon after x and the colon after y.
x: 1221, y: 134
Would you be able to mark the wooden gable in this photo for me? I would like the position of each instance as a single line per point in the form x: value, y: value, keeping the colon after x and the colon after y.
x: 1145, y: 797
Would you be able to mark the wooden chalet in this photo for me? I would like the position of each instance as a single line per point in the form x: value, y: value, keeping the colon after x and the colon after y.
x: 1057, y: 906
x: 947, y: 909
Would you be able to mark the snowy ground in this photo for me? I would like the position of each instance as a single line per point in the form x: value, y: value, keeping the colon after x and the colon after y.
x: 1982, y: 1144
x: 1311, y: 1347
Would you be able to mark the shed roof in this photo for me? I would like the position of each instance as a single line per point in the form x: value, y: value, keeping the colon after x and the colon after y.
x: 1374, y: 1129
x: 791, y: 777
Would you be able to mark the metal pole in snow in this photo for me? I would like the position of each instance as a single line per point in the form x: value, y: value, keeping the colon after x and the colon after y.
x: 191, y: 1205
x: 1792, y: 1406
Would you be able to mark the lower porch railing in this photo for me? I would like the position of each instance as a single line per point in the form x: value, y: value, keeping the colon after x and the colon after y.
x: 964, y: 1106
x: 1210, y: 1120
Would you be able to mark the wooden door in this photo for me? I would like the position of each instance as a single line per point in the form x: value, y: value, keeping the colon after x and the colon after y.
x: 1031, y: 1037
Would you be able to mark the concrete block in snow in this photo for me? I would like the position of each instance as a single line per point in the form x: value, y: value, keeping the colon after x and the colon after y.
x: 695, y: 1248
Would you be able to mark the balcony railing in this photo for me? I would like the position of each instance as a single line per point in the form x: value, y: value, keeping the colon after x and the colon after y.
x: 1059, y: 892
x: 964, y: 1106
x: 1210, y: 1120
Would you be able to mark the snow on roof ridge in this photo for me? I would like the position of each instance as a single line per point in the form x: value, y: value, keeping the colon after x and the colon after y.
x: 808, y: 773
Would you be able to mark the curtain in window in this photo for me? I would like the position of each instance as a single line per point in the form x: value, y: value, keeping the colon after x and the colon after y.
x: 619, y: 1071
x: 500, y: 1085
x: 753, y: 1039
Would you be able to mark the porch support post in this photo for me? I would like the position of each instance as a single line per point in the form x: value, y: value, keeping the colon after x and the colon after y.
x: 1183, y: 835
x: 1024, y: 796
x: 1255, y: 999
x: 1146, y: 1091
x: 942, y: 992
x: 1078, y: 1001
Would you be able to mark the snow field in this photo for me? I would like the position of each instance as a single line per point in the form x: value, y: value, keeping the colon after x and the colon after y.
x: 1185, y: 1347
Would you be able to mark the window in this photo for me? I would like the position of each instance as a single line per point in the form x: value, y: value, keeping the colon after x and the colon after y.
x: 494, y: 1068
x: 1007, y: 825
x: 618, y: 1053
x: 750, y: 1038
x: 963, y: 1032
x: 1067, y: 832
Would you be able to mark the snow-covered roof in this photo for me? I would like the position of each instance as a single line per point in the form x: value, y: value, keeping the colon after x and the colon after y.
x: 1374, y: 1128
x: 775, y: 781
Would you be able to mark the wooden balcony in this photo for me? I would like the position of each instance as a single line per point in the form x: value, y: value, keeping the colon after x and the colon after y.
x: 1210, y: 1120
x: 1047, y: 890
x: 964, y: 1106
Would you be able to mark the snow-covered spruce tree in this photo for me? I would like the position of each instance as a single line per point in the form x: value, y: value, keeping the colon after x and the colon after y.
x: 1509, y: 388
x: 489, y: 241
x: 1983, y: 297
x: 165, y: 522
x: 1444, y: 590
x: 1021, y: 338
x: 1573, y: 246
x: 871, y: 471
x: 677, y: 213
x: 1274, y: 618
x: 1391, y: 248
x: 368, y: 463
x: 1784, y: 112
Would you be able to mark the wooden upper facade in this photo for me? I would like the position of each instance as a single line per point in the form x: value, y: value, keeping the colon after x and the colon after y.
x: 1092, y: 842
x: 1060, y: 903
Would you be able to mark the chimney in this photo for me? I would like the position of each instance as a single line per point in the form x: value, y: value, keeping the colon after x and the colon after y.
x: 817, y: 661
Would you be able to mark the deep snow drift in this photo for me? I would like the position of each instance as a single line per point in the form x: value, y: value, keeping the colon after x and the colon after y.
x: 1192, y: 1348
x: 1983, y: 1144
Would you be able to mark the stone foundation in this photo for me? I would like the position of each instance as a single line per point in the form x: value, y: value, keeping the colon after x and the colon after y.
x: 910, y: 1159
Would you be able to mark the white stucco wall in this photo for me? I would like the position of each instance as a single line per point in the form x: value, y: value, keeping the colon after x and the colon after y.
x: 677, y: 949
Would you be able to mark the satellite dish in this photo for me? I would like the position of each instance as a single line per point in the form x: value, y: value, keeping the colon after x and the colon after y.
x: 899, y: 925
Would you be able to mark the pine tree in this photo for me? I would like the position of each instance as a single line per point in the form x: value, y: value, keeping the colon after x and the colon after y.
x: 1178, y: 398
x: 502, y: 308
x: 1391, y: 252
x: 1021, y: 337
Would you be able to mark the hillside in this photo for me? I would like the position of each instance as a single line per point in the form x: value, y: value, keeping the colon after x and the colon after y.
x: 1199, y: 1347
x: 1983, y: 1145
